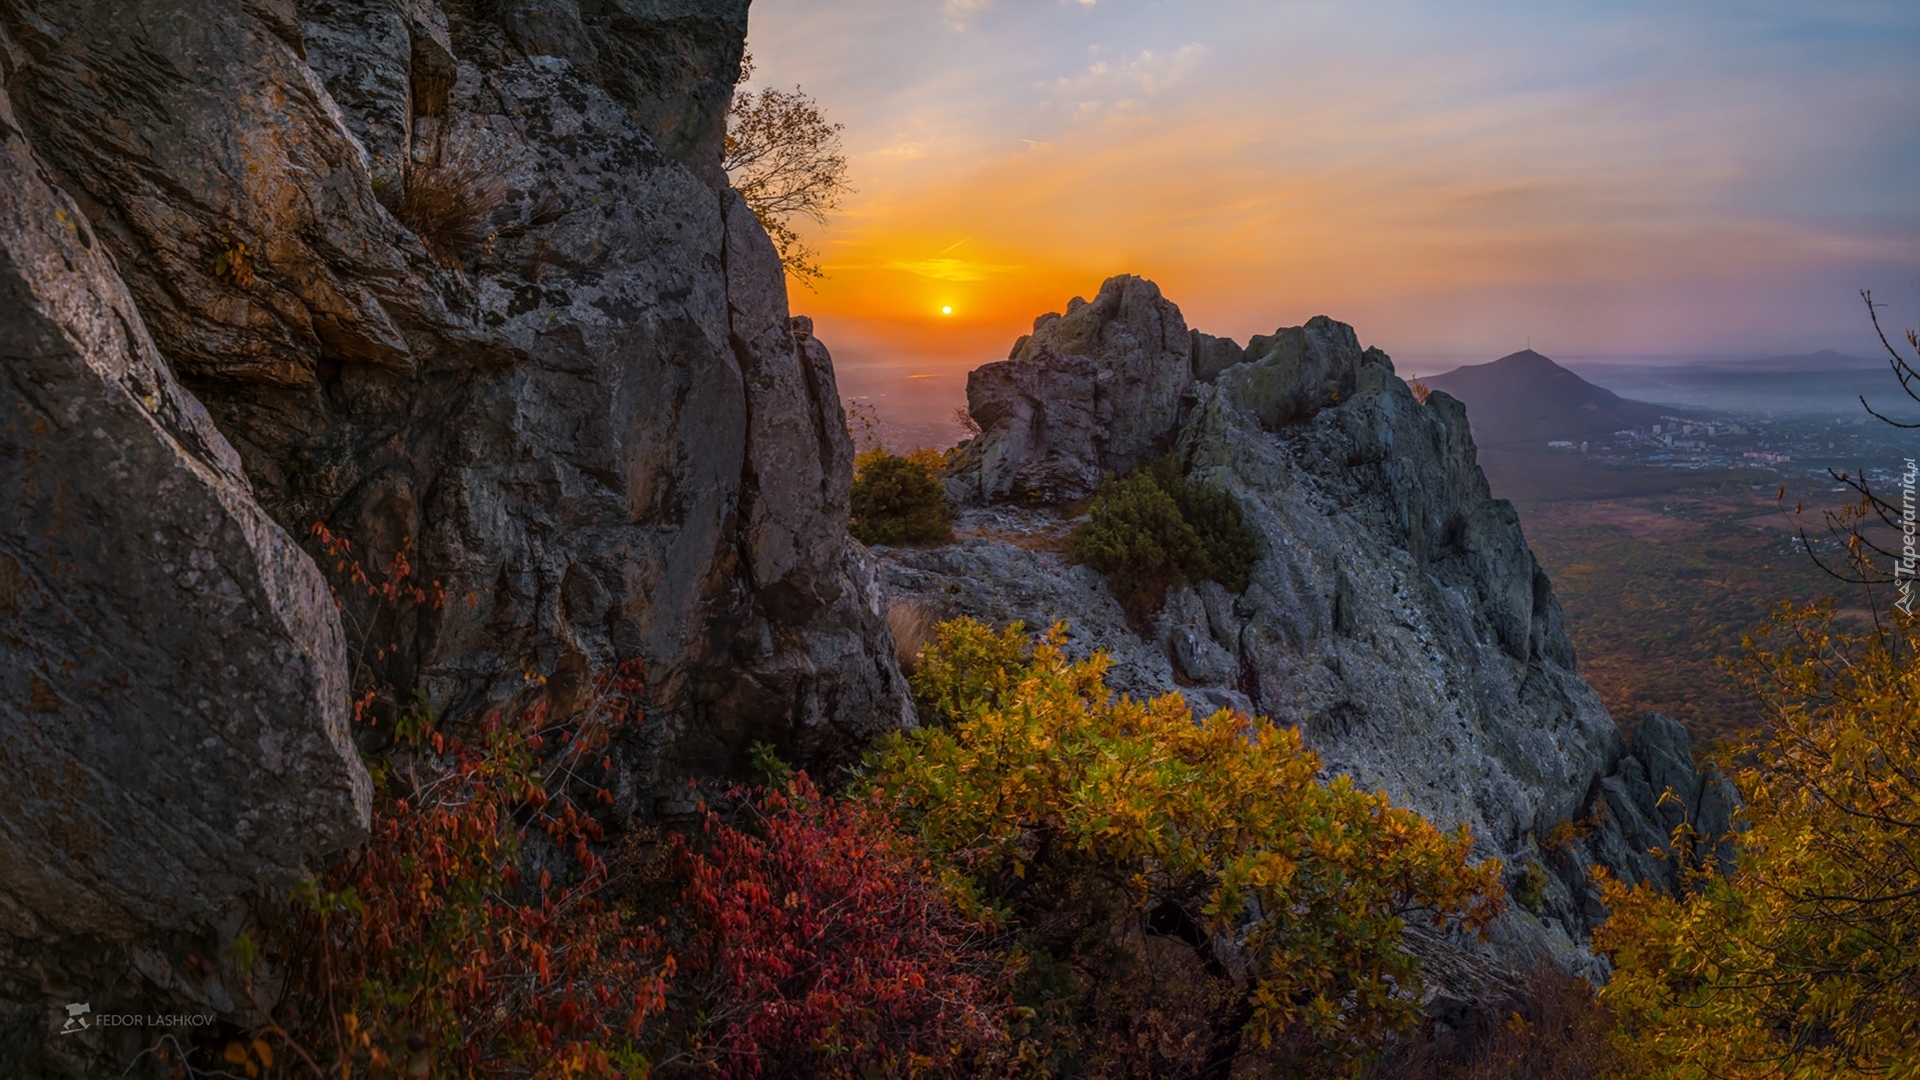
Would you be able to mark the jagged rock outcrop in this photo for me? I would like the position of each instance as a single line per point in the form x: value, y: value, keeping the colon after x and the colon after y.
x: 1628, y: 823
x: 173, y: 677
x: 1394, y: 612
x: 463, y: 282
x: 1097, y: 390
x: 594, y: 426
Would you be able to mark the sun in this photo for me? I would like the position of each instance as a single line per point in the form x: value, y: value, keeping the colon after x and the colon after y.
x: 947, y: 310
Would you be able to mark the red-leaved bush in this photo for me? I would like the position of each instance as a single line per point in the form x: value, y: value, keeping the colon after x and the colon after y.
x: 431, y: 954
x: 475, y: 934
x: 820, y: 944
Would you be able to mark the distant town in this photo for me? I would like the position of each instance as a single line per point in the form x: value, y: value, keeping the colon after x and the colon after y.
x: 1789, y: 446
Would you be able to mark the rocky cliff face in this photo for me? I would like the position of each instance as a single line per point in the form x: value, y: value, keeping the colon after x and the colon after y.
x: 462, y: 281
x: 173, y: 698
x: 1395, y: 613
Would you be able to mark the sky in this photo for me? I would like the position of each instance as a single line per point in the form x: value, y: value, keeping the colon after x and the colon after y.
x: 1457, y: 180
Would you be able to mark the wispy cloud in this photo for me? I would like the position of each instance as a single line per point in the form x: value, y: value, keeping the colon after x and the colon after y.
x: 938, y: 269
x: 1147, y: 71
x: 960, y: 11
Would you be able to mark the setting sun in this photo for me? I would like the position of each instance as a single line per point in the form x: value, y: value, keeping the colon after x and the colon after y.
x: 947, y: 310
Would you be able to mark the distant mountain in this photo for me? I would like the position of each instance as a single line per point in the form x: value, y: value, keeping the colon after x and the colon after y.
x: 1821, y: 383
x: 1526, y: 398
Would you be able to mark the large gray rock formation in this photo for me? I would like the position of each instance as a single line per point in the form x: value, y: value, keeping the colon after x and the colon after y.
x: 1629, y: 822
x: 1395, y: 613
x: 593, y: 424
x: 173, y: 680
x: 1099, y: 389
x: 469, y: 288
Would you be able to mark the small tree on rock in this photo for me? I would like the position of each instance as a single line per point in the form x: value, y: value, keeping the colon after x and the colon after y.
x: 784, y: 158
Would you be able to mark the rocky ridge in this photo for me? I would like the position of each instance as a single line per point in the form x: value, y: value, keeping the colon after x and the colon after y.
x: 1394, y: 613
x: 587, y: 414
x: 461, y: 282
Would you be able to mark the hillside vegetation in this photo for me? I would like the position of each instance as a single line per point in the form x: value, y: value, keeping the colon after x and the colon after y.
x: 1801, y: 961
x: 1046, y: 880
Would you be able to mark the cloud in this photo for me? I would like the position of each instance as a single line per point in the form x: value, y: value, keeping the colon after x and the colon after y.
x: 959, y: 11
x: 1147, y: 72
x: 952, y: 269
x: 1634, y: 175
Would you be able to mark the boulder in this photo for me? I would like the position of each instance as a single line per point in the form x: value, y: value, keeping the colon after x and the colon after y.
x: 173, y: 726
x: 1098, y: 390
x: 1295, y: 372
x: 1213, y: 355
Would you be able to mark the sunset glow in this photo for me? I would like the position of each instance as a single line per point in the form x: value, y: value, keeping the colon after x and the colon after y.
x: 1611, y: 179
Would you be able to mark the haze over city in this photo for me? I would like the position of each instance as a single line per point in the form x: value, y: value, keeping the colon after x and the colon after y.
x: 1458, y: 181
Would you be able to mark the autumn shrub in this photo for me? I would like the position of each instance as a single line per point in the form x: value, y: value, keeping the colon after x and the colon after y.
x: 817, y: 942
x: 439, y: 950
x: 969, y: 668
x: 1804, y: 961
x: 1151, y: 529
x: 1126, y: 841
x: 474, y: 934
x: 900, y: 500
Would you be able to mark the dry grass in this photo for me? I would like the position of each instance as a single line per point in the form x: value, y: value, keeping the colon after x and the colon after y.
x: 1420, y: 390
x: 448, y: 199
x: 912, y: 624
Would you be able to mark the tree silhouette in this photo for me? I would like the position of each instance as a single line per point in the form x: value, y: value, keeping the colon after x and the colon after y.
x: 784, y: 158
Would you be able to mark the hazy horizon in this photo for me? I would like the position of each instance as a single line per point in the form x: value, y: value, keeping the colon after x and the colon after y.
x: 1610, y: 181
x: 914, y: 401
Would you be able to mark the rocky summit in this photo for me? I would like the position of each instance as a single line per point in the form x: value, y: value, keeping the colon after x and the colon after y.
x: 1394, y: 612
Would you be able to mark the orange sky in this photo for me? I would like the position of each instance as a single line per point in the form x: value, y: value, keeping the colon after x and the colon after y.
x: 1453, y: 180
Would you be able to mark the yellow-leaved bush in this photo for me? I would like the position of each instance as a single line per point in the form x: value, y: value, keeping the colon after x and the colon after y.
x: 1805, y: 961
x: 1080, y: 816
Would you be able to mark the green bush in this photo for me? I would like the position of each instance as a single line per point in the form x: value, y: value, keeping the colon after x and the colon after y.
x: 1226, y: 543
x: 1137, y: 538
x: 1151, y: 529
x: 899, y: 500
